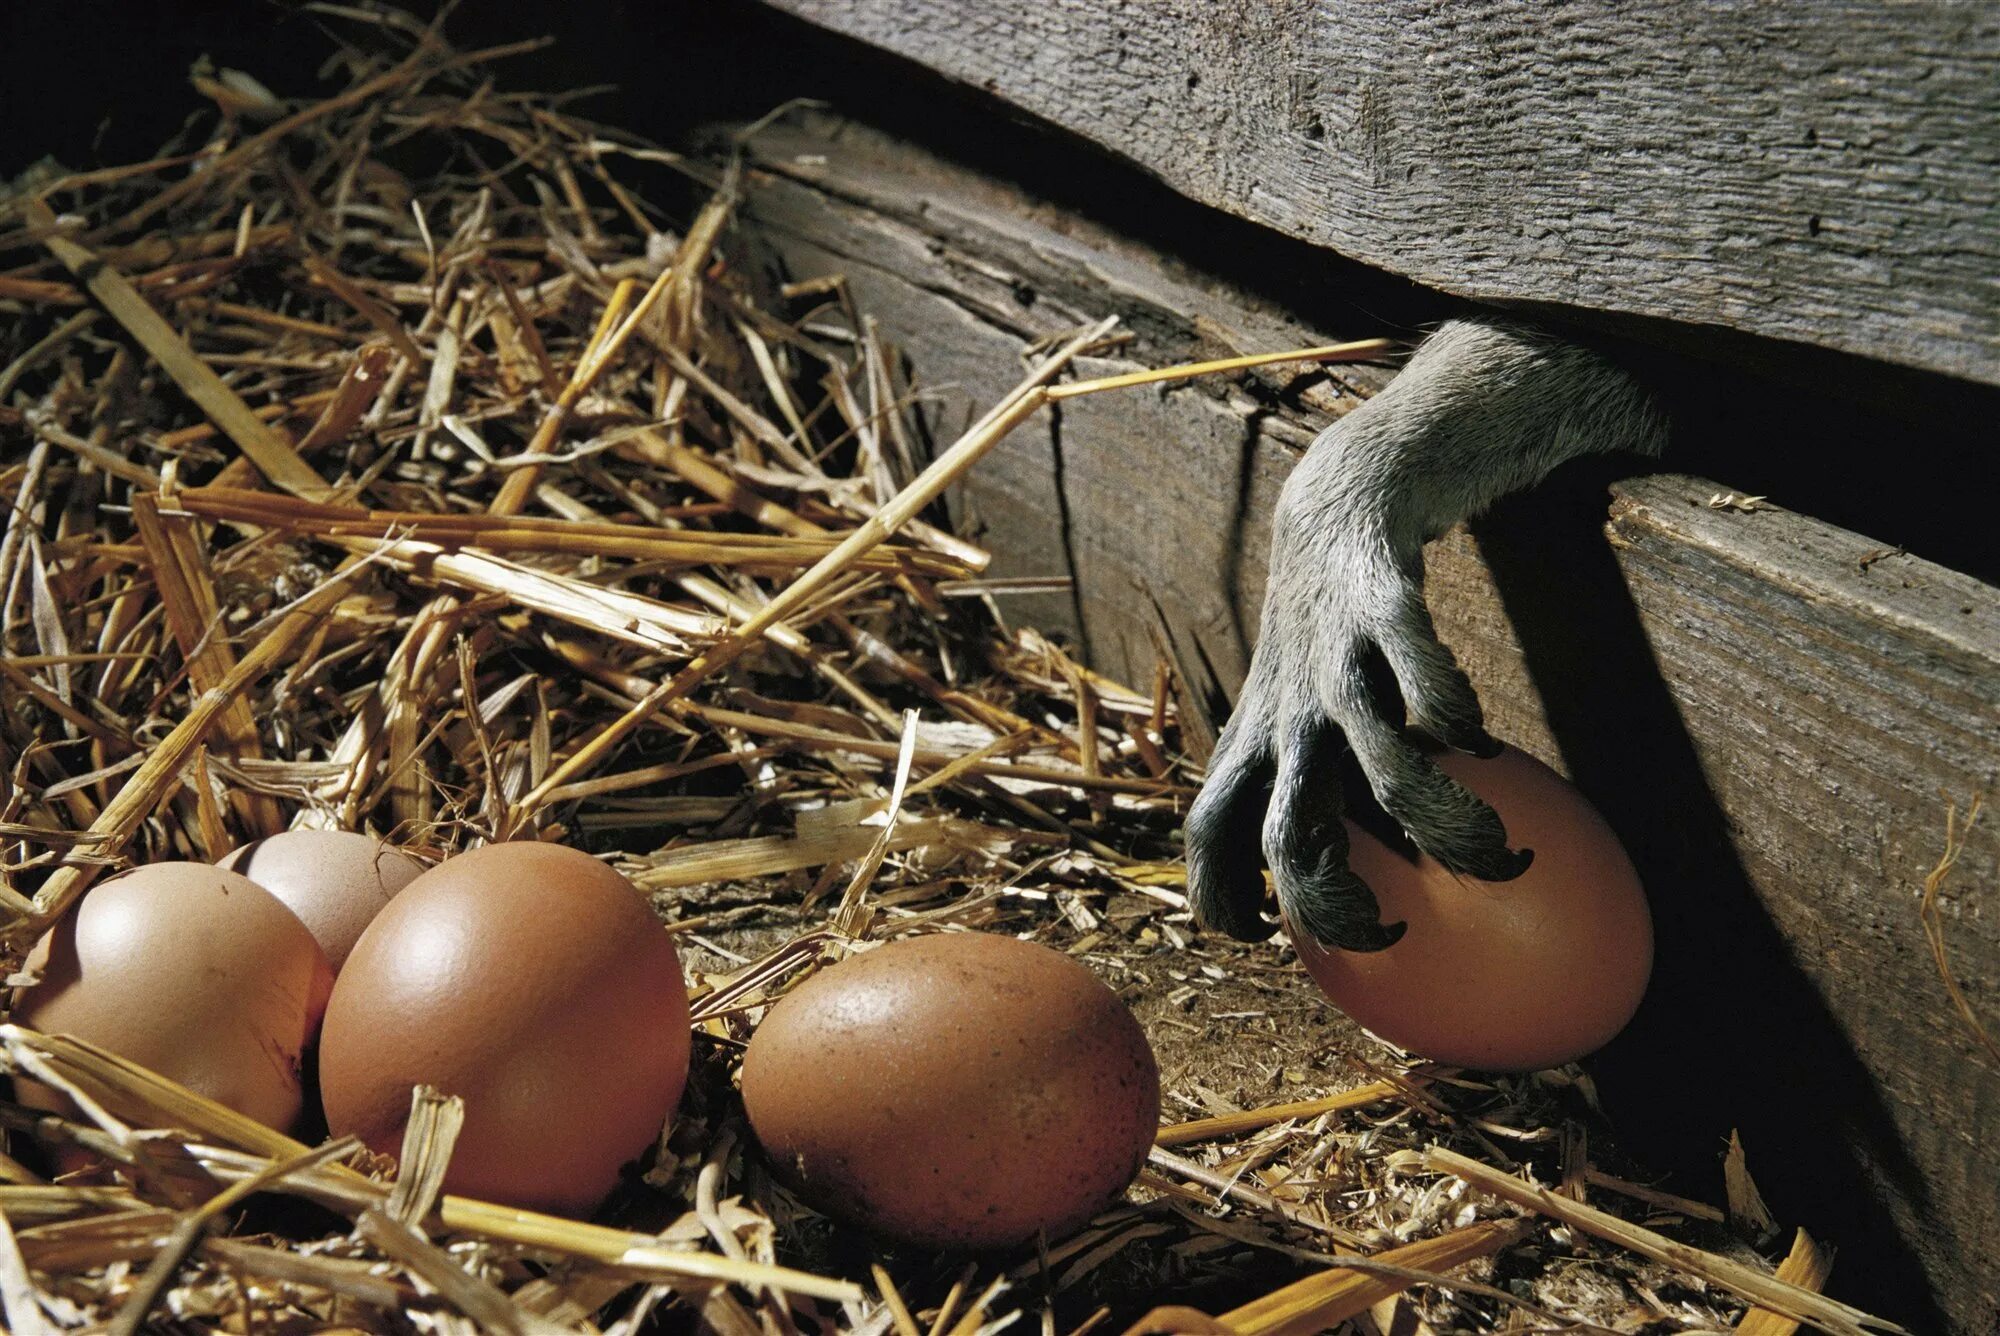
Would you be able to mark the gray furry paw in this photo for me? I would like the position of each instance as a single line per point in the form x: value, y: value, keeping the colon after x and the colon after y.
x: 1483, y: 409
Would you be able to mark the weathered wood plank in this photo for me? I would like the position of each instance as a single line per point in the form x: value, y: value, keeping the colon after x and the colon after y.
x: 1775, y: 734
x: 1824, y: 171
x: 1770, y: 710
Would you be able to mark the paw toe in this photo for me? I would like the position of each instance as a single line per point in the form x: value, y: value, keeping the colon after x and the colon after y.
x: 1449, y: 823
x: 1225, y: 872
x: 1337, y: 909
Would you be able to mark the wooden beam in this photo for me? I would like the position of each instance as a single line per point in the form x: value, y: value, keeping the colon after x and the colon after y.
x: 1771, y: 711
x: 1820, y: 171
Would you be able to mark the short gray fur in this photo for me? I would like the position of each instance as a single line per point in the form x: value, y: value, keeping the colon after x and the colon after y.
x: 1484, y: 409
x: 1820, y: 171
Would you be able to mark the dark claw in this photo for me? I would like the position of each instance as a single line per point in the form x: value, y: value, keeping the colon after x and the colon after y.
x: 1472, y: 739
x: 1451, y: 824
x: 1502, y: 864
x: 1337, y: 908
x: 1481, y: 744
x: 1306, y: 844
x: 1225, y: 869
x: 1377, y: 937
x: 1223, y: 908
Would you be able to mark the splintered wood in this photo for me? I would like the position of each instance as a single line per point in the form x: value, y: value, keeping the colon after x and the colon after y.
x: 422, y: 459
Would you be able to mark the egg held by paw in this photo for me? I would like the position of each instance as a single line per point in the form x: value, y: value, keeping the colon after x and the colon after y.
x: 956, y: 1091
x: 535, y: 983
x: 192, y: 971
x: 336, y: 881
x: 1501, y: 976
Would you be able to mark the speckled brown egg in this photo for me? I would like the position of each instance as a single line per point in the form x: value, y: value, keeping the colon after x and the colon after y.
x: 957, y: 1091
x: 1502, y: 976
x: 193, y: 971
x: 535, y: 983
x: 336, y: 881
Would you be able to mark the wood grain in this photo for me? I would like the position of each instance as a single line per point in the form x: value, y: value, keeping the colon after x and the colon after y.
x: 1821, y: 171
x: 1771, y: 711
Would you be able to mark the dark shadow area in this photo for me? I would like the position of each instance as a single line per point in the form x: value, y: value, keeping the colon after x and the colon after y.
x: 1731, y: 1034
x: 1240, y: 616
x: 1060, y: 464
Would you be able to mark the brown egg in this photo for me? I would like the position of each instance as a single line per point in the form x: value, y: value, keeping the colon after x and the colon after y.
x: 1502, y: 976
x: 336, y: 881
x: 534, y: 982
x: 960, y: 1090
x: 192, y: 971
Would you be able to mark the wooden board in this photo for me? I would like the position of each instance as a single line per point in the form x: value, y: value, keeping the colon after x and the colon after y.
x: 1770, y: 710
x: 1824, y: 171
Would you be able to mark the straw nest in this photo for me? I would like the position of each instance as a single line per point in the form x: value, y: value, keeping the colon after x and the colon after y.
x: 387, y: 461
